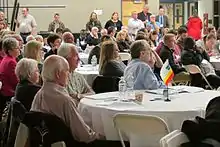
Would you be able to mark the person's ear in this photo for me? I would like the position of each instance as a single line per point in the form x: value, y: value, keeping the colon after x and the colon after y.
x: 57, y: 74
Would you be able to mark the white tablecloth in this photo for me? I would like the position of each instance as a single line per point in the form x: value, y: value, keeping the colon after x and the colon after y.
x: 84, y: 57
x: 89, y: 72
x: 215, y: 61
x: 98, y: 113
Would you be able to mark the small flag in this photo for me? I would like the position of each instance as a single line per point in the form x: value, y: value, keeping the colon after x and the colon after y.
x: 166, y: 72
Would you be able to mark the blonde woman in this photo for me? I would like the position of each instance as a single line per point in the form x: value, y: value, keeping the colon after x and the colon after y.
x: 109, y: 65
x: 122, y: 42
x: 33, y: 50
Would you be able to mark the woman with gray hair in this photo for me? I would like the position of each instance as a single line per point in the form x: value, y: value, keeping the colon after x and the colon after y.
x: 7, y: 71
x: 28, y: 74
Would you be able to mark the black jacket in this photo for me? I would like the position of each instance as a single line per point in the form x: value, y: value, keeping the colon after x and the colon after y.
x: 25, y: 92
x: 122, y: 45
x: 95, y: 51
x: 92, y: 41
x: 144, y: 17
x: 51, y: 52
x: 117, y: 25
x: 166, y: 53
x: 193, y: 57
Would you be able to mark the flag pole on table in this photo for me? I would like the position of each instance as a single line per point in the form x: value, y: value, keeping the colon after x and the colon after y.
x: 167, y: 75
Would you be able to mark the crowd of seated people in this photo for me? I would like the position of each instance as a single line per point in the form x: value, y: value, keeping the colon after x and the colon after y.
x: 60, y: 88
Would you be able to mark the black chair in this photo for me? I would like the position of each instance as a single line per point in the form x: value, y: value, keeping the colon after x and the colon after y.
x: 16, y: 113
x: 103, y: 84
x: 46, y: 129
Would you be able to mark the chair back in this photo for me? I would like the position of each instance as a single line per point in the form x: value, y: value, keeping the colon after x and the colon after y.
x: 174, y: 139
x: 46, y: 129
x: 141, y: 130
x: 194, y: 69
x: 103, y: 84
x: 16, y: 114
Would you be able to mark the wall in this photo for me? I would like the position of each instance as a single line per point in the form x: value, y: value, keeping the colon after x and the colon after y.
x: 75, y: 15
x: 205, y: 6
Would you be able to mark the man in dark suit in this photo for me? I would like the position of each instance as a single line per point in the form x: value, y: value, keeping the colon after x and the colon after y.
x: 144, y: 15
x: 162, y: 19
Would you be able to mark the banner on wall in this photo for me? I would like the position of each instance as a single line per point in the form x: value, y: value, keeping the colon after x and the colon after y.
x: 205, y: 23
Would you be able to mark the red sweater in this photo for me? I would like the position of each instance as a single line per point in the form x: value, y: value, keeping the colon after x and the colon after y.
x: 194, y: 27
x: 7, y: 76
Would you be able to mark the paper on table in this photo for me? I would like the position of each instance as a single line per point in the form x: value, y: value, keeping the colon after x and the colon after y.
x: 176, y: 90
x: 101, y: 97
x: 189, y: 89
x: 120, y: 105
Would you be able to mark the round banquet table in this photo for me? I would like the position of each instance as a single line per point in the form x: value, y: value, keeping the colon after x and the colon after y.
x: 89, y: 72
x: 98, y: 110
x: 84, y: 57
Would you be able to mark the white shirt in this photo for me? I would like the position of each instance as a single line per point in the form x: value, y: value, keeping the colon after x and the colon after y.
x: 134, y: 25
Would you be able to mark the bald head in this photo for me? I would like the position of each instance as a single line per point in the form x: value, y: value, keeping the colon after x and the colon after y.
x: 55, y: 69
x: 68, y: 37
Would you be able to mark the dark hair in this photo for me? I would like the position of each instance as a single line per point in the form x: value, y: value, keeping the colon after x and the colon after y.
x: 67, y: 30
x: 189, y: 43
x: 57, y: 14
x: 141, y: 36
x: 210, y: 29
x: 58, y: 30
x: 52, y: 37
x: 137, y: 47
x: 172, y: 31
x: 111, y: 29
x: 143, y: 30
x: 105, y: 38
x: 181, y: 30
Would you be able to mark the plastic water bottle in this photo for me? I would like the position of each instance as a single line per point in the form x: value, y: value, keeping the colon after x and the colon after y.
x: 78, y: 45
x: 130, y: 86
x: 94, y: 61
x: 122, y: 88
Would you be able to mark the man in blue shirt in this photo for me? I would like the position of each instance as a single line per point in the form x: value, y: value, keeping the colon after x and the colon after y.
x: 144, y: 77
x: 153, y: 24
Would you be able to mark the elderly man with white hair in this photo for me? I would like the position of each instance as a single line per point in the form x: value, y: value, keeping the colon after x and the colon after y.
x: 93, y: 38
x: 52, y: 98
x: 77, y: 86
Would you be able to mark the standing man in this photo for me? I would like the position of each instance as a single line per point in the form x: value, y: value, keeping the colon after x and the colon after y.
x: 162, y: 19
x: 144, y: 16
x: 56, y: 23
x: 134, y: 24
x: 26, y: 24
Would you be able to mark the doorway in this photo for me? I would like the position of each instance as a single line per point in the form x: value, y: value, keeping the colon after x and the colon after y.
x: 129, y: 6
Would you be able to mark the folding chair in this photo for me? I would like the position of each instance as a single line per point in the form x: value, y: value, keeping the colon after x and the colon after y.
x: 174, y: 139
x: 182, y: 78
x: 194, y: 69
x: 141, y: 130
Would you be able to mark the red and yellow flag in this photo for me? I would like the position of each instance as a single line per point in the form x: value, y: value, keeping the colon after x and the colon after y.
x: 166, y: 73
